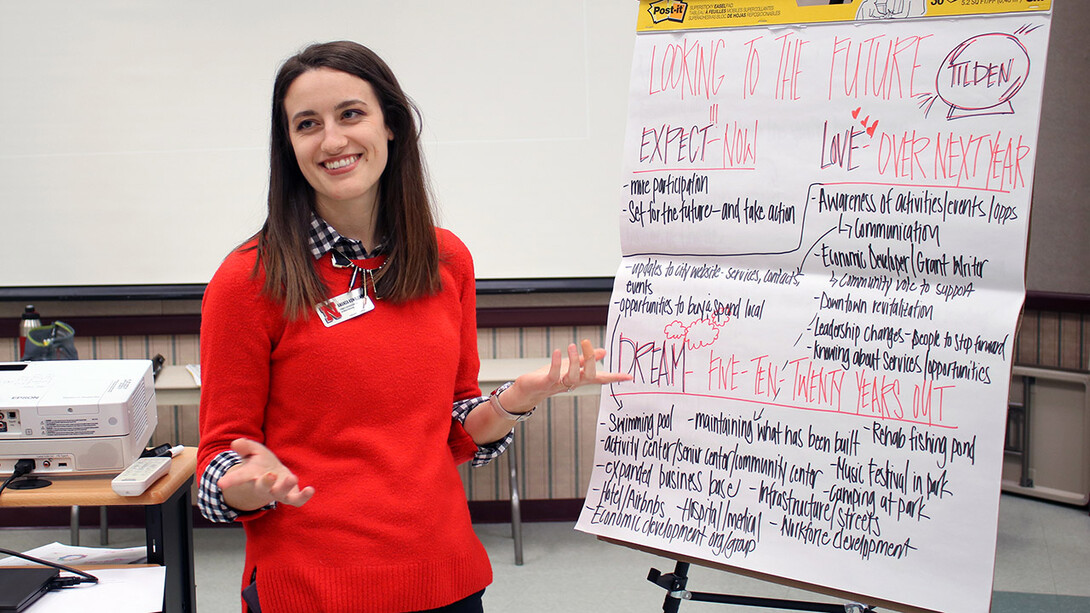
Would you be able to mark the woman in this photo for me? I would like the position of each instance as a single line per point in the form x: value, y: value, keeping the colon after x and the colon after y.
x: 339, y: 363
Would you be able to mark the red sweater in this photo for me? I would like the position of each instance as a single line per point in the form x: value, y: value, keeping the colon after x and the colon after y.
x: 361, y: 411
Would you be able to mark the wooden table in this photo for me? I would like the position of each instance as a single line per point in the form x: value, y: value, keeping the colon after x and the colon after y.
x: 167, y: 514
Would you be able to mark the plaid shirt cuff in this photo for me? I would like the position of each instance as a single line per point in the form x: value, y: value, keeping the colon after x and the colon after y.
x: 488, y: 452
x: 210, y: 496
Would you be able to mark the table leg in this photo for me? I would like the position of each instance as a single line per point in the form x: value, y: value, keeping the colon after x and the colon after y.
x: 170, y: 542
x: 73, y: 522
x: 516, y: 511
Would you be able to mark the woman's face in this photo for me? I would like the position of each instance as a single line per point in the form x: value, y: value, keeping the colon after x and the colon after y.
x: 339, y: 136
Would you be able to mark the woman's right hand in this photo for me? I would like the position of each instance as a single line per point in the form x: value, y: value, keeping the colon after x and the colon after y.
x: 260, y: 479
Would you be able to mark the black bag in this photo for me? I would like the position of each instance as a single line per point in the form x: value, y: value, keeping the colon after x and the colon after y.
x: 55, y: 341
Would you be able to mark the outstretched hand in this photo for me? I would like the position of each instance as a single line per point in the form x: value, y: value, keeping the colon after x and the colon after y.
x: 260, y: 479
x: 564, y: 374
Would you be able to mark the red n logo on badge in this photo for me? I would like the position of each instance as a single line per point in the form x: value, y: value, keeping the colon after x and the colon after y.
x: 329, y: 311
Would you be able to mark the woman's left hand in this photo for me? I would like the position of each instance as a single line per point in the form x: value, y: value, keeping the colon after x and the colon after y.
x: 565, y: 374
x: 530, y: 389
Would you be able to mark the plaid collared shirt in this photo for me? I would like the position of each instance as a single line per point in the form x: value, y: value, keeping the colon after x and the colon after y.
x: 323, y: 239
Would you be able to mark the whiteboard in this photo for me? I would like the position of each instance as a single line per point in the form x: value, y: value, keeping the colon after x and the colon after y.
x: 136, y: 146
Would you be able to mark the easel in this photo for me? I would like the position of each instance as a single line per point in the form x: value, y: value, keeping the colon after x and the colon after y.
x: 675, y: 582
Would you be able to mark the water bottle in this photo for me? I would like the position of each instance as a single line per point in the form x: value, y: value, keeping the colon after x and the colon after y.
x: 30, y: 320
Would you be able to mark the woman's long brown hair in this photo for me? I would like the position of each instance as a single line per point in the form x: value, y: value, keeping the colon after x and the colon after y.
x: 405, y: 219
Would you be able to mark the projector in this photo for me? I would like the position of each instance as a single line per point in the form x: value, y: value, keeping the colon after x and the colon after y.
x: 78, y: 417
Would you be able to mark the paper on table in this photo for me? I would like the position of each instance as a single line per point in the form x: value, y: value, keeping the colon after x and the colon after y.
x: 195, y: 370
x: 119, y: 590
x: 75, y: 556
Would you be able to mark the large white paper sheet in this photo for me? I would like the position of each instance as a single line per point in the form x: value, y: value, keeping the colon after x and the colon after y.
x: 119, y: 590
x: 824, y: 231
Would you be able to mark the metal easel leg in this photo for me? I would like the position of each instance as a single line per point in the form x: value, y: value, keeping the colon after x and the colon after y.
x: 674, y: 583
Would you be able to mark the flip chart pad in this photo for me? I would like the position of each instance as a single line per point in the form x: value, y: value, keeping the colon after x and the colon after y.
x: 824, y: 235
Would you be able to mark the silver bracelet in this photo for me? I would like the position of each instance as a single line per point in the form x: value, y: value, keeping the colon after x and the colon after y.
x: 494, y: 400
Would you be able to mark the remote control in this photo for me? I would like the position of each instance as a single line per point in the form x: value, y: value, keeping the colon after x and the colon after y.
x: 139, y: 475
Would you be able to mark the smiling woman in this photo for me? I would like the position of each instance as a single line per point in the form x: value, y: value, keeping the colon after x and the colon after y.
x: 344, y: 133
x: 341, y: 408
x: 339, y: 136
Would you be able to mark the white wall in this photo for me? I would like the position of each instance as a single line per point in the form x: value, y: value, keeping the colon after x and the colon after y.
x: 134, y: 149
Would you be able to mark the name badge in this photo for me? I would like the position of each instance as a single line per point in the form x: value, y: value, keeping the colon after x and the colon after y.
x: 352, y: 303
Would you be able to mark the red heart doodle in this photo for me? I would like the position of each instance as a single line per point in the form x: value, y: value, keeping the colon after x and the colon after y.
x: 855, y: 113
x: 870, y: 130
